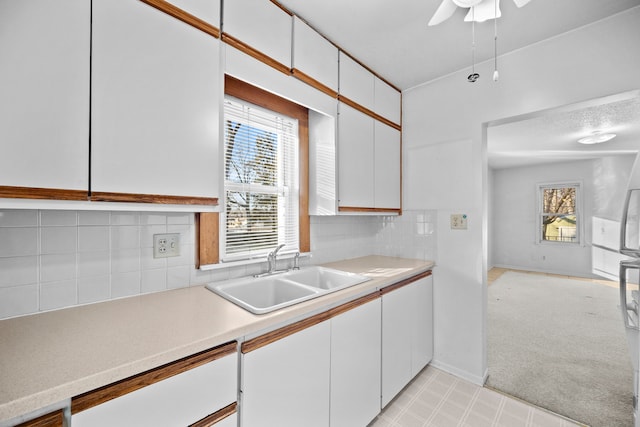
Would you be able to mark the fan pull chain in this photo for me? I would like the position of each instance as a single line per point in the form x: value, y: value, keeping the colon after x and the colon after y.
x: 496, y: 76
x: 473, y: 76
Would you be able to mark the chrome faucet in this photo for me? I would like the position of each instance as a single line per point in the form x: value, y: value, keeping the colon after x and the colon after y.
x: 296, y: 261
x: 272, y: 258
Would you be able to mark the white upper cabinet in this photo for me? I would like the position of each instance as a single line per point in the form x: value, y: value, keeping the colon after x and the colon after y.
x: 387, y: 101
x: 356, y: 162
x: 314, y: 55
x: 44, y: 93
x: 356, y: 82
x: 260, y: 24
x: 156, y: 89
x: 387, y: 167
x: 207, y: 10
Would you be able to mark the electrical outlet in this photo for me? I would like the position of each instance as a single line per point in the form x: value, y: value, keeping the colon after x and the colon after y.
x: 166, y: 245
x: 458, y: 221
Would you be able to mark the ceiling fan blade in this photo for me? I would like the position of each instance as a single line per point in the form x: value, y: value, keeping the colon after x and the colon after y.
x: 444, y: 12
x: 521, y: 3
x: 484, y: 11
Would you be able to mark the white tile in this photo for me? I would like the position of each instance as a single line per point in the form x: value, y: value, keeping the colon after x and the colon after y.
x: 91, y: 264
x: 154, y: 280
x: 125, y: 260
x: 125, y: 284
x: 199, y: 277
x: 148, y: 262
x: 93, y: 238
x: 94, y: 289
x: 125, y: 218
x: 18, y: 241
x: 185, y: 257
x: 56, y: 267
x: 186, y: 232
x: 18, y: 300
x: 153, y: 219
x: 178, y: 277
x: 147, y: 232
x: 18, y: 218
x: 58, y: 294
x: 180, y: 218
x: 61, y: 218
x: 93, y: 218
x: 56, y: 240
x: 17, y: 271
x: 126, y: 236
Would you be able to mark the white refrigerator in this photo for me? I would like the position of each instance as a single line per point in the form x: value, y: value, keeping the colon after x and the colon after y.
x: 629, y: 285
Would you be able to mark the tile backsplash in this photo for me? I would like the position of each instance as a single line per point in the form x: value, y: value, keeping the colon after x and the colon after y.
x: 51, y: 259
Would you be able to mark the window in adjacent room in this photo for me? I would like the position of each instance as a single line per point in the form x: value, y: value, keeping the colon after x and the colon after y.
x: 559, y: 214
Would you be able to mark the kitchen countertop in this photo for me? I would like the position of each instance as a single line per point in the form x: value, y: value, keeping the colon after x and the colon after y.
x: 49, y: 357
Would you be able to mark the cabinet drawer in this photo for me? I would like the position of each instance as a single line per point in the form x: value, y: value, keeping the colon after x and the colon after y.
x: 162, y: 397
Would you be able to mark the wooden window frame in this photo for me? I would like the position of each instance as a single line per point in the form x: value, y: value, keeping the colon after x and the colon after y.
x: 208, y: 225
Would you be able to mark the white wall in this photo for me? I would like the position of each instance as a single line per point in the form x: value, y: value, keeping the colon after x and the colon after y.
x: 513, y: 212
x: 591, y: 62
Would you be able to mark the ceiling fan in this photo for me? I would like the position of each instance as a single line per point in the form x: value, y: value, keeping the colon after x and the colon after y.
x: 479, y: 10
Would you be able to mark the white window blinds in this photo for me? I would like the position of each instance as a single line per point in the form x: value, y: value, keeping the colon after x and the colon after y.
x: 261, y: 181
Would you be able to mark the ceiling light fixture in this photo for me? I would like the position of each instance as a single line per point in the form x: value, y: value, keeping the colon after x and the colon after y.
x: 597, y: 137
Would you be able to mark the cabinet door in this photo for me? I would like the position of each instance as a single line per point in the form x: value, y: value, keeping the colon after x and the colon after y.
x: 355, y: 365
x: 261, y: 25
x: 176, y: 401
x: 396, y: 341
x: 286, y: 383
x: 355, y: 158
x: 422, y: 324
x: 387, y: 166
x: 387, y: 101
x: 314, y: 55
x: 155, y: 103
x: 356, y: 82
x: 44, y: 93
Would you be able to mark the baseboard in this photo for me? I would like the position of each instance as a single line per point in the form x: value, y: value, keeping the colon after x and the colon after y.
x: 548, y: 271
x: 478, y: 380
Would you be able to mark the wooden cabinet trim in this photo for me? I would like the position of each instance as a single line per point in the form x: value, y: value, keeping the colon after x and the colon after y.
x: 303, y: 77
x: 99, y: 196
x: 369, y: 113
x: 254, y: 53
x: 184, y: 16
x: 278, y: 334
x: 405, y: 282
x: 52, y: 419
x: 120, y: 388
x: 8, y: 192
x: 216, y: 417
x: 371, y: 210
x: 208, y: 234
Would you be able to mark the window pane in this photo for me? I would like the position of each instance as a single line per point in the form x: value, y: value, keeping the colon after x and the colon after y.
x: 252, y: 221
x: 559, y: 228
x: 559, y: 200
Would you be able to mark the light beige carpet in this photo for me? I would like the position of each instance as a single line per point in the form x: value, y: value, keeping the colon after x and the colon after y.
x: 560, y: 344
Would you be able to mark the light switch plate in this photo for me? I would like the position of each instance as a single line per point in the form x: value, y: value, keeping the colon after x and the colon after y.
x: 166, y: 245
x: 459, y: 221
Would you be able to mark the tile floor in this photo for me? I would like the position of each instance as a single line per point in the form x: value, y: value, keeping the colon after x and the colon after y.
x: 437, y: 399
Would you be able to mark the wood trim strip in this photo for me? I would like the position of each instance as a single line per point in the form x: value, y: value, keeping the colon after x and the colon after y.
x: 284, y: 9
x: 184, y: 16
x: 304, y: 221
x: 405, y: 282
x: 217, y: 416
x: 8, y: 192
x: 99, y: 196
x: 255, y: 53
x: 111, y: 391
x: 278, y: 334
x: 52, y: 419
x: 305, y: 78
x: 207, y: 231
x: 371, y: 210
x: 369, y: 113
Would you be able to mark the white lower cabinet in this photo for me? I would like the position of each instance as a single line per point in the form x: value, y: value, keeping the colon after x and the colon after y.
x: 179, y: 400
x: 407, y: 334
x: 355, y: 365
x: 286, y: 383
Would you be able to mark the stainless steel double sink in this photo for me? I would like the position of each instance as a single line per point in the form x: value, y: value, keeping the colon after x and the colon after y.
x: 261, y: 295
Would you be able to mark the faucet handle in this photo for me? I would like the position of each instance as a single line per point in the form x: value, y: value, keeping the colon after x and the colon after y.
x: 296, y: 260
